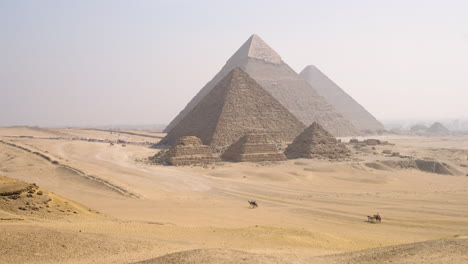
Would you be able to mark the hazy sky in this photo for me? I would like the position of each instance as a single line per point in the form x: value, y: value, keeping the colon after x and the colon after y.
x: 102, y: 62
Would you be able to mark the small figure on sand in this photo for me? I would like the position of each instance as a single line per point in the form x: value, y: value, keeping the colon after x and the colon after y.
x: 374, y: 218
x: 253, y: 204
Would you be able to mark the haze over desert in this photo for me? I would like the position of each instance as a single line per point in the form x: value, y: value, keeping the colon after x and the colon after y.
x: 120, y: 143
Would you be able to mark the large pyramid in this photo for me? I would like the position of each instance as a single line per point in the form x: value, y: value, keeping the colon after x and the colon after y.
x: 236, y: 106
x: 344, y: 104
x: 316, y: 142
x: 266, y: 67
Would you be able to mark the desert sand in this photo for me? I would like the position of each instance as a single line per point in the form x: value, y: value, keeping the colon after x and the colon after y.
x: 107, y: 205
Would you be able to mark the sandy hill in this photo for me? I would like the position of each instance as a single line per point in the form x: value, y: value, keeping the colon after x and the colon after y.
x: 430, y: 252
x: 343, y: 102
x: 21, y: 201
x: 237, y: 105
x: 267, y: 68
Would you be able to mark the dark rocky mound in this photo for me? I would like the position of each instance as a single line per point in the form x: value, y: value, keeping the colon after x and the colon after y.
x: 428, y: 252
x: 431, y: 166
x: 214, y: 256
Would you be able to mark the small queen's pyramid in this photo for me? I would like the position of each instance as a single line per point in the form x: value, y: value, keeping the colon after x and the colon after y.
x: 236, y: 106
x: 187, y: 151
x: 316, y: 142
x: 253, y: 148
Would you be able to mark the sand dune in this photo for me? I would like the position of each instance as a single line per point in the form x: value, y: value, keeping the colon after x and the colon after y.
x: 436, y: 251
x: 433, y: 252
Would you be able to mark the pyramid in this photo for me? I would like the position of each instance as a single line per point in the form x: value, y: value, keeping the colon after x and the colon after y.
x: 253, y: 148
x: 437, y: 129
x: 343, y: 103
x: 418, y: 128
x: 187, y: 151
x: 267, y: 68
x: 236, y: 106
x: 316, y: 142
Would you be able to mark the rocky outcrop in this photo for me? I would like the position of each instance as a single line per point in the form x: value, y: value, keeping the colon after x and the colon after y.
x: 316, y: 142
x: 253, y: 148
x: 436, y: 167
x: 431, y: 166
x: 368, y: 142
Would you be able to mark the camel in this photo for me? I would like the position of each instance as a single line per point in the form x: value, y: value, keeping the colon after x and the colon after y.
x: 253, y: 204
x: 375, y: 218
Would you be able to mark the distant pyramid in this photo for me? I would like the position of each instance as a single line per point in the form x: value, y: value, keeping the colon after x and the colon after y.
x: 437, y: 129
x: 418, y: 128
x: 342, y: 102
x: 265, y: 66
x: 316, y: 142
x: 253, y: 148
x: 236, y: 106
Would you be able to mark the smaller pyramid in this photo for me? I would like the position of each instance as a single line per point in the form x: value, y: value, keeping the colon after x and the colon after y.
x: 188, y: 151
x: 418, y: 128
x: 253, y: 148
x: 316, y: 142
x: 437, y: 129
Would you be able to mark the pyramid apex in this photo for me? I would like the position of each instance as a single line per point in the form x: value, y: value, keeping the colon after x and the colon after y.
x: 311, y: 67
x: 256, y: 48
x: 236, y: 73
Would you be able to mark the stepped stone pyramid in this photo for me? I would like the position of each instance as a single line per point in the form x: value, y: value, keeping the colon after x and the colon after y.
x: 316, y: 142
x: 236, y: 106
x: 188, y: 151
x: 343, y: 103
x: 267, y: 68
x: 253, y: 148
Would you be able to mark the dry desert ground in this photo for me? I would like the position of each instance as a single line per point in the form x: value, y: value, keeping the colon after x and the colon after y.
x: 97, y: 203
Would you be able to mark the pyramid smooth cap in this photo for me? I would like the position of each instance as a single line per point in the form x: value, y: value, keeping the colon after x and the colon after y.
x: 309, y: 70
x: 256, y: 48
